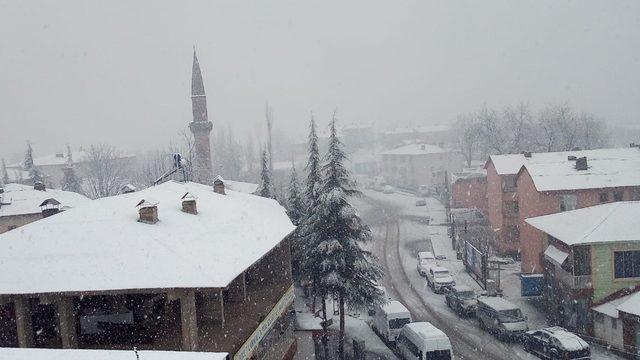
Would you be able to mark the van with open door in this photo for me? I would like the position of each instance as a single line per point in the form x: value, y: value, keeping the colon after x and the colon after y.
x: 423, y: 341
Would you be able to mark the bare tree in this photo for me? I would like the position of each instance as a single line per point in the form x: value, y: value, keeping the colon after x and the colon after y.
x: 105, y: 171
x: 468, y: 139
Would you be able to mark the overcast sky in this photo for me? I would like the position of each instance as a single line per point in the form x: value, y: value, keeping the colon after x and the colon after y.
x: 118, y: 72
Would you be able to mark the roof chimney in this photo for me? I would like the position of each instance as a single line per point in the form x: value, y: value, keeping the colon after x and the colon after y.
x: 189, y: 204
x: 218, y: 185
x: 527, y: 154
x: 39, y: 185
x: 423, y: 146
x: 127, y: 189
x: 581, y: 163
x: 50, y: 207
x: 148, y: 211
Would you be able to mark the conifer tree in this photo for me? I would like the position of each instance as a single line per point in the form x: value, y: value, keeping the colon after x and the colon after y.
x: 313, y: 167
x: 266, y: 186
x: 295, y: 205
x: 346, y: 271
x: 34, y: 173
x: 70, y: 181
x: 5, y: 174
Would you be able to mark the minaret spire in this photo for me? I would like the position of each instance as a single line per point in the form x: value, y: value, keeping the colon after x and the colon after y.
x: 200, y: 126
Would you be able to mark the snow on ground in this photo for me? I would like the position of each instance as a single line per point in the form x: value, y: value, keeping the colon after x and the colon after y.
x: 75, y: 354
x: 357, y: 325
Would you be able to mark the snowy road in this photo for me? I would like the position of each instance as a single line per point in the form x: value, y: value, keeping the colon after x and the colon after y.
x: 397, y: 242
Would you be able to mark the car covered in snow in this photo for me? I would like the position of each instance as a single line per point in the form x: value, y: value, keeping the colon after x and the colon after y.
x: 388, y: 189
x: 421, y: 202
x: 425, y: 259
x: 462, y: 299
x: 439, y: 279
x: 501, y: 317
x: 556, y: 343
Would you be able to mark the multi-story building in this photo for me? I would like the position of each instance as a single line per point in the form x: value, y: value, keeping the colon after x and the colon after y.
x: 520, y: 186
x: 419, y: 164
x: 195, y: 268
x: 469, y: 190
x: 554, y: 182
x: 588, y: 254
x: 23, y: 204
x: 502, y: 202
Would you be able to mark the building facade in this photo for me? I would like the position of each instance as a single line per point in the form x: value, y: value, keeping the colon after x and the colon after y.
x: 589, y: 254
x: 558, y: 183
x: 413, y: 165
x: 502, y: 202
x: 470, y: 191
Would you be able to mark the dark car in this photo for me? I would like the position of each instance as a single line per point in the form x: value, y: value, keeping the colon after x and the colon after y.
x: 556, y: 343
x: 462, y: 299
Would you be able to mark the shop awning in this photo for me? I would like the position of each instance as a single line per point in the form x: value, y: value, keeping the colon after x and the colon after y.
x: 555, y: 254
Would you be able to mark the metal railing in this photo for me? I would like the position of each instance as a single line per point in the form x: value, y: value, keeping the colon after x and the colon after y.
x: 574, y: 282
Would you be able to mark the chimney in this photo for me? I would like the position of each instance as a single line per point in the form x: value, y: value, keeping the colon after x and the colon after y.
x: 148, y: 211
x: 423, y: 146
x: 581, y: 163
x: 50, y: 207
x: 189, y: 204
x: 218, y: 185
x: 39, y: 185
x: 127, y: 189
x: 527, y: 154
x: 571, y: 158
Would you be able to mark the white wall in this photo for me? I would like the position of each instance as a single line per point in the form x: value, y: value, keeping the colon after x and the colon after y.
x: 604, y: 330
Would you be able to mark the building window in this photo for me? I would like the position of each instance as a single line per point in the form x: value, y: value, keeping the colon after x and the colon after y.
x: 581, y: 260
x: 626, y: 264
x: 568, y: 202
x: 509, y: 183
x: 614, y: 323
x: 604, y: 197
x: 618, y: 195
x: 635, y: 195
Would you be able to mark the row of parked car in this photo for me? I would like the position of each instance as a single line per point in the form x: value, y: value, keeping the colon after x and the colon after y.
x: 499, y: 316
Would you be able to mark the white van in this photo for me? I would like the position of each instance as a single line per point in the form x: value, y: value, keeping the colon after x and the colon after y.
x: 422, y: 340
x: 389, y: 320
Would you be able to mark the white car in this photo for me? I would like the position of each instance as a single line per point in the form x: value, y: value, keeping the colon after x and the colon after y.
x: 439, y: 279
x: 387, y: 189
x: 425, y: 260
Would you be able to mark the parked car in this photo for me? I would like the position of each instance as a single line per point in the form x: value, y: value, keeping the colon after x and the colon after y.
x: 389, y: 320
x: 423, y: 190
x: 498, y: 316
x: 462, y: 299
x: 425, y: 259
x: 422, y: 340
x: 556, y: 343
x: 388, y: 189
x: 421, y: 202
x: 439, y: 279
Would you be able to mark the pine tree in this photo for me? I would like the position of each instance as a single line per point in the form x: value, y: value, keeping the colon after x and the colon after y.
x: 295, y: 205
x: 70, y: 181
x: 347, y: 271
x: 34, y: 173
x: 266, y: 186
x: 5, y: 174
x: 313, y: 167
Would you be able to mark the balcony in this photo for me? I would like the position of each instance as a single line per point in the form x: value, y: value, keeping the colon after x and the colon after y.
x: 573, y: 282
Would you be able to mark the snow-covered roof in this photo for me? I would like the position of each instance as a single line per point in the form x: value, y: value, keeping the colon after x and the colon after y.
x: 434, y: 338
x: 394, y: 307
x: 23, y: 199
x: 419, y: 129
x: 631, y: 305
x: 76, y: 354
x: 103, y: 247
x: 610, y: 308
x: 556, y: 254
x: 239, y: 186
x: 416, y: 149
x: 60, y: 159
x: 497, y: 303
x: 596, y: 224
